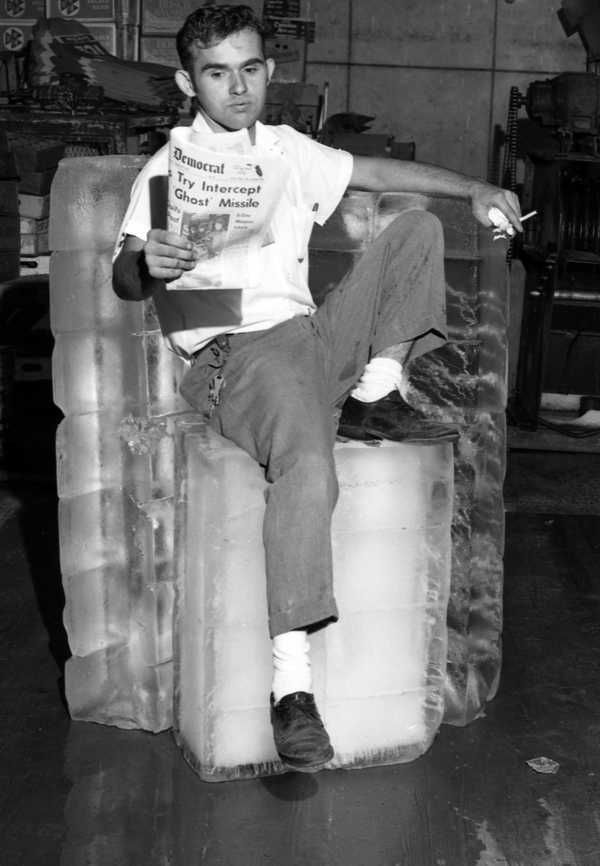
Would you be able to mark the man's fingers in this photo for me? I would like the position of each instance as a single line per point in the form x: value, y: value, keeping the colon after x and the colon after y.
x: 504, y: 200
x: 169, y: 267
x: 163, y: 244
x: 166, y: 274
x: 169, y: 251
x: 512, y: 211
x: 165, y: 238
x: 174, y: 253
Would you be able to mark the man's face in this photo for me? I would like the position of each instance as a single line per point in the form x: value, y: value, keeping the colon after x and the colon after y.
x: 229, y: 81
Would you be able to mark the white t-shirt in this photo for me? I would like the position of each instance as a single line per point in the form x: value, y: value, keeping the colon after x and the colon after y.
x: 319, y: 176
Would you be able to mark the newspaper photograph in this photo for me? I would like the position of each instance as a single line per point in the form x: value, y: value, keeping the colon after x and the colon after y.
x: 222, y: 198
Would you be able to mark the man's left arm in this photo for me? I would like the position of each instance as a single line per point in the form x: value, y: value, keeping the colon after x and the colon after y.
x: 380, y: 174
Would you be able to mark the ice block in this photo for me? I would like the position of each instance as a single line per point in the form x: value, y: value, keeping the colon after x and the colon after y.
x: 463, y: 382
x: 117, y: 386
x: 379, y: 672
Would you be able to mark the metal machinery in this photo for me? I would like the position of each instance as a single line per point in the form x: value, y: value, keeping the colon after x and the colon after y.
x: 561, y: 245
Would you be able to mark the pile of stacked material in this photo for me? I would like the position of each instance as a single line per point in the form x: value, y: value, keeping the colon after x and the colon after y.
x: 62, y: 47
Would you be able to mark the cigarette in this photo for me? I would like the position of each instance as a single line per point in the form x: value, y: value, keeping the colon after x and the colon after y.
x: 527, y: 215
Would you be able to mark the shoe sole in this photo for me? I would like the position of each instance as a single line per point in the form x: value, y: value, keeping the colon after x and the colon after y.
x: 350, y: 436
x: 306, y: 768
x: 359, y: 436
x: 290, y: 768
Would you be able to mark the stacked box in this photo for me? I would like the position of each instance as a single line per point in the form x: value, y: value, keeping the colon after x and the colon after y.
x: 14, y: 36
x: 17, y: 18
x: 82, y: 10
x: 290, y: 58
x: 105, y: 33
x: 288, y: 34
x: 37, y: 162
x: 9, y: 212
x: 118, y: 389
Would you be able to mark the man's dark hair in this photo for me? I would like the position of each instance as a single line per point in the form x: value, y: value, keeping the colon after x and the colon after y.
x: 210, y: 24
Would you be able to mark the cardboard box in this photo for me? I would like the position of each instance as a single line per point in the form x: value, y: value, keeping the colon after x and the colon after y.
x: 9, y: 265
x: 82, y: 10
x: 27, y: 10
x: 31, y: 226
x: 14, y: 37
x: 35, y: 206
x: 291, y: 28
x: 159, y: 49
x: 34, y: 245
x: 166, y: 16
x: 36, y: 182
x: 106, y: 34
x: 36, y: 154
x: 8, y: 166
x: 288, y: 8
x: 290, y: 59
x: 281, y: 8
x: 10, y: 236
x: 33, y: 266
x: 9, y: 197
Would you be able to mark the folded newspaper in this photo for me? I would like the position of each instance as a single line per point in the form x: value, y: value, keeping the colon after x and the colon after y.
x: 222, y: 198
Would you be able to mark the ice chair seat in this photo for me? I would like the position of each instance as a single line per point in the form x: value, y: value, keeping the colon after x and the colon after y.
x: 379, y: 673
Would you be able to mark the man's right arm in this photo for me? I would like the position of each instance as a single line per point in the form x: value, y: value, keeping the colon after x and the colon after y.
x: 142, y: 266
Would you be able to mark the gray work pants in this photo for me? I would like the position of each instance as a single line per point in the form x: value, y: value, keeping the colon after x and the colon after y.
x: 283, y: 387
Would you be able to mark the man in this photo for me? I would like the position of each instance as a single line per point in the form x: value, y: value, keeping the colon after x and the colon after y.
x: 269, y: 371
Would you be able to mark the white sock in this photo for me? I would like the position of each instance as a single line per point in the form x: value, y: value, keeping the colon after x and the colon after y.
x: 380, y: 376
x: 291, y: 664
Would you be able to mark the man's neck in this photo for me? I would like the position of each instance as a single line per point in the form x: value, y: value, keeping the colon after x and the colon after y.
x: 216, y: 127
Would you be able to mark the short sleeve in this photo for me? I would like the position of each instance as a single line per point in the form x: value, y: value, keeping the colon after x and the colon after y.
x: 324, y: 172
x: 138, y: 217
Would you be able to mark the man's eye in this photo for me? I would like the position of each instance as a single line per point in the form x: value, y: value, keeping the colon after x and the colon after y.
x: 251, y: 69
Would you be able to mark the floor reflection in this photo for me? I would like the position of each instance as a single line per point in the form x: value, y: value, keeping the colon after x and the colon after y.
x: 134, y: 800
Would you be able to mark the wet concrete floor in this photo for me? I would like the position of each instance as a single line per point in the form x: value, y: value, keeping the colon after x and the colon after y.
x: 81, y: 794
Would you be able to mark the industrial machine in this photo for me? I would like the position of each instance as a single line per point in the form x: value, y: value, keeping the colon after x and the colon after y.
x: 560, y: 333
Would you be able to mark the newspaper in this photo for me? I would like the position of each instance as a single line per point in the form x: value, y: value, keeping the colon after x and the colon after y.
x: 222, y: 198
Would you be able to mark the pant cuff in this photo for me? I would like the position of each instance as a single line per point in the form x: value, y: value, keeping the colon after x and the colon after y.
x: 303, y: 616
x: 425, y: 336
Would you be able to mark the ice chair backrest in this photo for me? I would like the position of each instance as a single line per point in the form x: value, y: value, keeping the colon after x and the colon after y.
x: 117, y: 386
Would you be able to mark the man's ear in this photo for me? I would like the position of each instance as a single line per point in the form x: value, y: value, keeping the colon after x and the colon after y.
x: 184, y: 82
x: 270, y: 68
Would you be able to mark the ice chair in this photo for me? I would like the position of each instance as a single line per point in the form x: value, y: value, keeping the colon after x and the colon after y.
x: 117, y: 387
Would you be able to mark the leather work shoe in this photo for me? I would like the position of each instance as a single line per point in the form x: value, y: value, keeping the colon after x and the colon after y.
x: 391, y: 418
x: 301, y: 740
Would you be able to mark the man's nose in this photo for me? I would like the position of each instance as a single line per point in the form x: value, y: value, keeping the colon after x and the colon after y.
x: 238, y: 83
